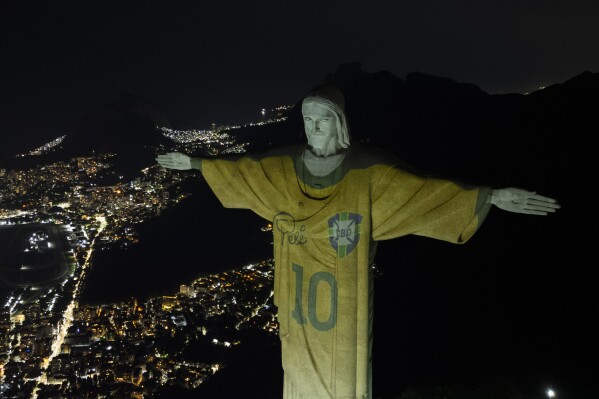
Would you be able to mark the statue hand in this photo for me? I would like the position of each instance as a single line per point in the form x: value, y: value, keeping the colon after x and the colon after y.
x: 174, y: 160
x: 522, y: 201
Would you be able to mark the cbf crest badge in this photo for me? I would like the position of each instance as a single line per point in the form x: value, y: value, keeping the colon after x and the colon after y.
x: 344, y: 232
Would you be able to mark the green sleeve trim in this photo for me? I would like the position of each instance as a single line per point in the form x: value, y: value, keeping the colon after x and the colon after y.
x: 196, y: 163
x: 483, y: 206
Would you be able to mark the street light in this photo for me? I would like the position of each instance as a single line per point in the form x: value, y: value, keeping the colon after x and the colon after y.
x: 550, y: 393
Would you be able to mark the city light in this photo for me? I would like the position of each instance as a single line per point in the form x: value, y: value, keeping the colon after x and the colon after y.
x: 45, y: 148
x: 48, y: 324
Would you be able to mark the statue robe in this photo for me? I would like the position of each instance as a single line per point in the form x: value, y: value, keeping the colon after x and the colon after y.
x: 325, y: 231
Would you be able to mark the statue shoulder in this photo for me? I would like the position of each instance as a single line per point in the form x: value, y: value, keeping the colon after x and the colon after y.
x: 282, y: 151
x: 364, y: 156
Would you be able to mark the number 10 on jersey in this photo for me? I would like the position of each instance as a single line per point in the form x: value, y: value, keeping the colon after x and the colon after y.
x: 328, y: 281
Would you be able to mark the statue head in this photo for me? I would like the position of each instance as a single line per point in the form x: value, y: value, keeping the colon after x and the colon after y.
x: 324, y: 121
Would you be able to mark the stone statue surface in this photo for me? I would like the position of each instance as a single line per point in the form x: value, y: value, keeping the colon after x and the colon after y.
x: 330, y: 202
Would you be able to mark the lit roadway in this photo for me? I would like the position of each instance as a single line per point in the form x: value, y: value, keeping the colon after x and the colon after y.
x: 67, y: 318
x: 255, y: 311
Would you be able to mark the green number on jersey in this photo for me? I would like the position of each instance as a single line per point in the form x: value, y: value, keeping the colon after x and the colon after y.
x: 298, y: 314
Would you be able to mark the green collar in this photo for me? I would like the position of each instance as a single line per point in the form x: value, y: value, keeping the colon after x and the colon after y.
x: 319, y: 182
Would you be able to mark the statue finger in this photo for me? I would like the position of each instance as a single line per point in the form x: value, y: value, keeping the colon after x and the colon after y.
x: 533, y: 212
x: 548, y: 204
x: 538, y: 197
x: 540, y: 208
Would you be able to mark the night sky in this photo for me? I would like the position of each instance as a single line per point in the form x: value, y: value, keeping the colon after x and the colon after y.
x: 222, y: 61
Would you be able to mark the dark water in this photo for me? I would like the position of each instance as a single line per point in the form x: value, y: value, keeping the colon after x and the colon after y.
x: 44, y: 269
x: 47, y: 266
x: 196, y: 236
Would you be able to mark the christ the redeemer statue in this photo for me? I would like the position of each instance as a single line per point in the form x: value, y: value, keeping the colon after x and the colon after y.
x: 329, y: 203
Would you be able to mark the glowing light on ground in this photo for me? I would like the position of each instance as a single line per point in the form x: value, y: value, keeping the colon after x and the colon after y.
x: 255, y: 311
x: 67, y: 318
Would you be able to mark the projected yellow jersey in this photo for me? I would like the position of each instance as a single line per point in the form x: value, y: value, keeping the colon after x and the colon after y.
x: 325, y: 231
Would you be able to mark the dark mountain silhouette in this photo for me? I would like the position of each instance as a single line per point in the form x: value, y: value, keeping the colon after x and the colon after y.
x: 128, y: 121
x: 456, y: 129
x: 126, y: 127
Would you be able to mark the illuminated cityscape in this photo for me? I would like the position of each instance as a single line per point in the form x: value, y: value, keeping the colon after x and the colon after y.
x: 53, y: 218
x: 95, y: 238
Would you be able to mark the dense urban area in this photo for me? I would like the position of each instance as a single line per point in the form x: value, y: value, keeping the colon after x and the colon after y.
x: 58, y: 214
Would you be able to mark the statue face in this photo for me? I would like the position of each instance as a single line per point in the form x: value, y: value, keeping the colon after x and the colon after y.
x: 320, y: 125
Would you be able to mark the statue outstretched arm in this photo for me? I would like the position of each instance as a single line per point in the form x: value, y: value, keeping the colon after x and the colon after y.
x: 179, y: 161
x: 516, y: 200
x: 238, y: 182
